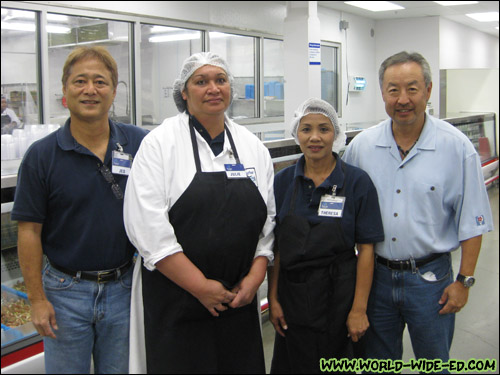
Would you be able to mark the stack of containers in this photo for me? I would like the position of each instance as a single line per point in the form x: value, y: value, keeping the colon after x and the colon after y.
x: 271, y: 89
x: 14, y: 145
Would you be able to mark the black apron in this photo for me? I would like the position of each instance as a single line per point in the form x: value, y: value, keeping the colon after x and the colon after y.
x: 217, y: 221
x: 316, y: 287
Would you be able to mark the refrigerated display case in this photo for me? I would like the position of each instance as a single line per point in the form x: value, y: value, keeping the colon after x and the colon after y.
x: 480, y: 128
x: 22, y: 347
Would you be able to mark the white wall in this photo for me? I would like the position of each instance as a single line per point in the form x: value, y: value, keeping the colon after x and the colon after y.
x: 413, y: 35
x: 473, y: 90
x: 461, y: 47
x: 358, y: 58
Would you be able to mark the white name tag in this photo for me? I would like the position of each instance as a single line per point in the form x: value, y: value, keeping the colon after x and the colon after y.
x: 235, y: 171
x: 121, y: 163
x: 331, y: 206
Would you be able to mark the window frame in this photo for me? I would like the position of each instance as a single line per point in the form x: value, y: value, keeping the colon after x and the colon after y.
x: 338, y: 62
x: 135, y: 71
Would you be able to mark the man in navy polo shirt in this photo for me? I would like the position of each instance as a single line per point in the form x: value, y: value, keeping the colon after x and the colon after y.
x: 69, y: 205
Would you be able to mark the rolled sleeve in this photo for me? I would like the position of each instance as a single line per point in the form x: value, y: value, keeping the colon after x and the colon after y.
x: 266, y: 241
x: 146, y: 207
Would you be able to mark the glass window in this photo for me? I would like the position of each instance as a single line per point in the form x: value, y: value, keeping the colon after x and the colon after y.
x: 72, y: 32
x: 239, y: 52
x: 19, y: 65
x: 20, y: 106
x: 330, y: 74
x: 163, y: 51
x: 274, y: 72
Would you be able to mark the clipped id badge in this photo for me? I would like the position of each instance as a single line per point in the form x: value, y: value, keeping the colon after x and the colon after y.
x: 121, y: 163
x: 235, y: 171
x: 331, y: 206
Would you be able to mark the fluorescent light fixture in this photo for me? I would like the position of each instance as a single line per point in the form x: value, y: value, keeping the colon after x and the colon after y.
x: 173, y: 37
x: 162, y: 29
x: 217, y: 35
x: 453, y: 3
x: 56, y: 29
x: 57, y: 17
x: 18, y: 26
x: 374, y: 6
x: 484, y: 17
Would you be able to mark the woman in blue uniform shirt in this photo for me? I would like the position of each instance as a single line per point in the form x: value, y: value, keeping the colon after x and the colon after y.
x: 318, y: 288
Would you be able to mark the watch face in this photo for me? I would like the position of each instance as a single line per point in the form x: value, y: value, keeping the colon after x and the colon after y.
x: 469, y: 281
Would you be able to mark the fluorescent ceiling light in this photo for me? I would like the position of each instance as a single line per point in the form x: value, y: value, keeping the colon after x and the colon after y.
x: 374, y: 6
x: 216, y: 35
x: 57, y: 17
x: 162, y: 29
x: 18, y: 26
x: 452, y: 3
x: 484, y: 17
x: 56, y: 29
x: 173, y: 37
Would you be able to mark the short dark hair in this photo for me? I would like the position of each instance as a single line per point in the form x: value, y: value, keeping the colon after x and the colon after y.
x: 404, y: 57
x: 97, y: 52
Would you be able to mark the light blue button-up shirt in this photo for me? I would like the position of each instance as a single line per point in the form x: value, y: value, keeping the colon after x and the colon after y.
x: 434, y: 198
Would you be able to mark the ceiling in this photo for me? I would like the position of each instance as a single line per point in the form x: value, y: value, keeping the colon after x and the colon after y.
x: 424, y: 9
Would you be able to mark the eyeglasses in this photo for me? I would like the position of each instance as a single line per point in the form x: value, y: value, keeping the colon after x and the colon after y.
x: 108, y: 176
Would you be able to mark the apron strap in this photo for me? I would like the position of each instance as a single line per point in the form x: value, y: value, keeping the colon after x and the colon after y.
x: 233, y: 147
x: 195, y: 144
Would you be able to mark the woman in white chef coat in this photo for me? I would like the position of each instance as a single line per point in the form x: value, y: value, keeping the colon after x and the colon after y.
x: 199, y: 207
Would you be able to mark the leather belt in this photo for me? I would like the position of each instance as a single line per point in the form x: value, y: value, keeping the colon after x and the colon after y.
x: 405, y: 265
x: 97, y: 276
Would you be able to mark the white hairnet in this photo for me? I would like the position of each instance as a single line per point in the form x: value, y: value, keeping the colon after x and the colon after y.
x: 191, y: 64
x: 314, y: 105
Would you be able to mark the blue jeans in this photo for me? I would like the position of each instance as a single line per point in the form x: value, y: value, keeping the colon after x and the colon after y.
x: 93, y: 321
x: 400, y: 298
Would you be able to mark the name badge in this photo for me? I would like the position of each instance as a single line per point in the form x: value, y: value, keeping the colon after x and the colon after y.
x: 235, y: 171
x: 121, y: 163
x: 331, y: 206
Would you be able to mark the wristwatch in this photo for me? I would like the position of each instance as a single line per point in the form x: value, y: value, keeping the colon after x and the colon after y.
x: 467, y: 281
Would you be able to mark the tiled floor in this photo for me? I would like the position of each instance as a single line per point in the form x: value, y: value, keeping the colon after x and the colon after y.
x: 476, y: 328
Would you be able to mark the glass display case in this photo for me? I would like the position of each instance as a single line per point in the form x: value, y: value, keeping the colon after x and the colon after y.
x: 481, y: 129
x: 20, y: 340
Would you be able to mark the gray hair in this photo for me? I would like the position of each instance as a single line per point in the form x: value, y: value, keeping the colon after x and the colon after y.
x: 404, y: 57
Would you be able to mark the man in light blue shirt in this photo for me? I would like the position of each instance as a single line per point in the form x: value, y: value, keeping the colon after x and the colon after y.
x: 433, y: 200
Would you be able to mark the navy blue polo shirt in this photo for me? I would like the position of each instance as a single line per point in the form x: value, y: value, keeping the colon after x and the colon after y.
x: 216, y: 144
x: 361, y: 220
x: 60, y: 186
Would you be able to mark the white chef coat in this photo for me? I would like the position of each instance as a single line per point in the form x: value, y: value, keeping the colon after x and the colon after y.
x: 162, y: 170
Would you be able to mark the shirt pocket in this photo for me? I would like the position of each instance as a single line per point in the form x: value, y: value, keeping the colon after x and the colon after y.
x: 426, y: 203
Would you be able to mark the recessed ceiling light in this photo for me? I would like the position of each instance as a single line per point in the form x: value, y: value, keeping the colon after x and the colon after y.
x: 484, y: 17
x: 452, y: 3
x: 374, y: 6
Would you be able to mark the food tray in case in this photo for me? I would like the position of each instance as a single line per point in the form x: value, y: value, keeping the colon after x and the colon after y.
x: 16, y: 316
